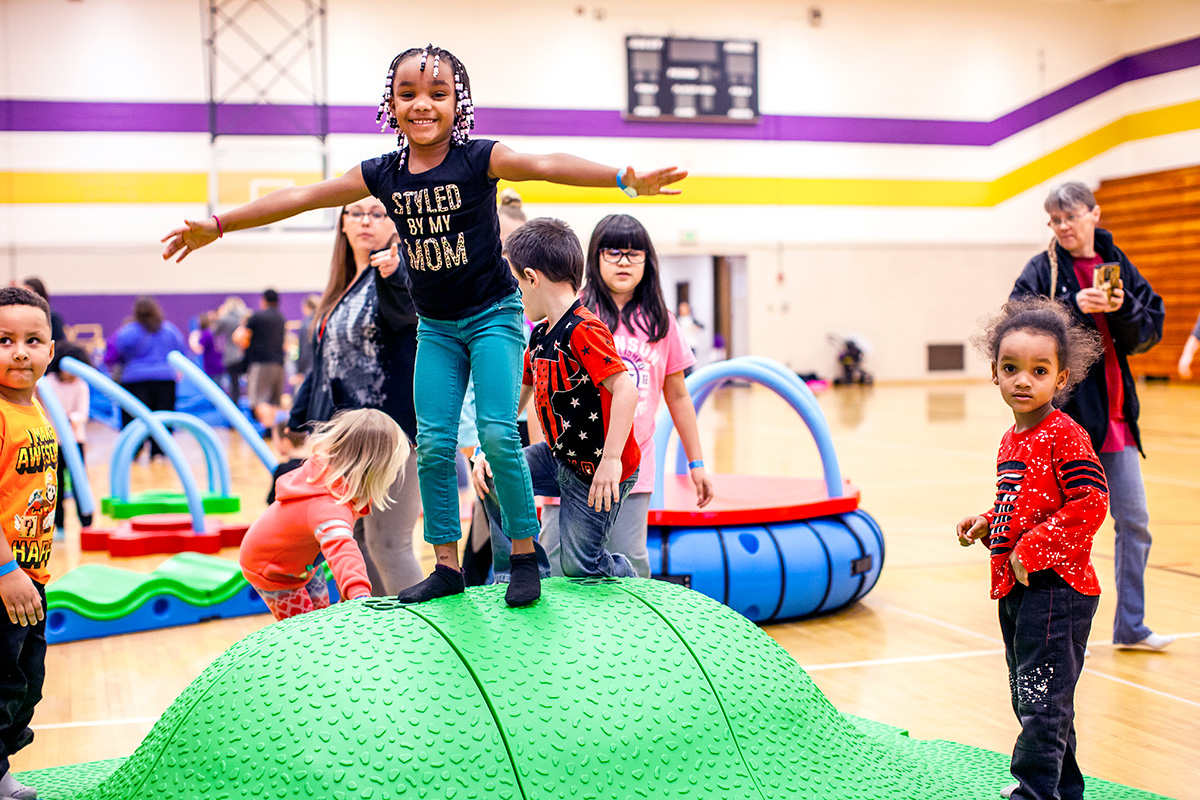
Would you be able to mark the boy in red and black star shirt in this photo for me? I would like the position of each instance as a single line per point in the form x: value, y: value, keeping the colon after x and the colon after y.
x: 585, y: 402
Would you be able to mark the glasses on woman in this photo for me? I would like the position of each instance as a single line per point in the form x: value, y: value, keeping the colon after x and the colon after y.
x: 613, y: 255
x: 1058, y: 222
x: 366, y: 216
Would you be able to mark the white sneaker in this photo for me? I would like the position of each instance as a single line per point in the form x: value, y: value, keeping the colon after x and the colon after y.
x: 1155, y: 641
x: 1007, y: 791
x: 1087, y: 652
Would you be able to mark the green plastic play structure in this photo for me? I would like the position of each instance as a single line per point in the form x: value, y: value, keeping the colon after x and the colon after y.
x: 101, y: 592
x: 166, y: 501
x: 605, y: 688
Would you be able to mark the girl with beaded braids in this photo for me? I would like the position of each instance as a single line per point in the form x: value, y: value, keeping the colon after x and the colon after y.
x: 440, y: 189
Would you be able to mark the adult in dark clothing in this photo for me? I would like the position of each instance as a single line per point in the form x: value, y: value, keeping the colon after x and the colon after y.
x: 141, y: 348
x: 58, y: 331
x: 1105, y: 404
x: 263, y: 336
x: 364, y: 352
x: 304, y: 351
x: 230, y: 316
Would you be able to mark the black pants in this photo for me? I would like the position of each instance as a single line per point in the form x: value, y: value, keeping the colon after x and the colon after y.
x: 60, y: 515
x: 158, y: 396
x: 22, y: 673
x: 1045, y: 628
x: 235, y: 371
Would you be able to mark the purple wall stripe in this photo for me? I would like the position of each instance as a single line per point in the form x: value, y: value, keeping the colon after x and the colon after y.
x: 284, y: 120
x: 113, y: 310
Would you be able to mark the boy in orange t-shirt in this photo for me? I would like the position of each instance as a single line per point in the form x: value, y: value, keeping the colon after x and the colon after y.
x: 28, y: 492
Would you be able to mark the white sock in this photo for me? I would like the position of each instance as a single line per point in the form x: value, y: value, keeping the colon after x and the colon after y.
x: 11, y: 787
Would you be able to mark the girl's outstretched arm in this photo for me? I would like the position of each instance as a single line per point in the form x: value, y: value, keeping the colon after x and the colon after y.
x: 575, y: 171
x: 683, y: 414
x: 278, y: 205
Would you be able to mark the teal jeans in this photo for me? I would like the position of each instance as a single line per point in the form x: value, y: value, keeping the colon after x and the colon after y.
x: 487, y: 347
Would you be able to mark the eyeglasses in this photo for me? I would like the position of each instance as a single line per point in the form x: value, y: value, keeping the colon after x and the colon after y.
x: 613, y: 256
x: 365, y: 216
x: 1058, y: 222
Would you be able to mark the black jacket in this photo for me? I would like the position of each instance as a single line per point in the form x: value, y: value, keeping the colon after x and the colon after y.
x: 1135, y: 327
x: 320, y: 396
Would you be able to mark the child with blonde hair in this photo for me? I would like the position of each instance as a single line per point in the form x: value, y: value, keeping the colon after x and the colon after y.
x: 356, y: 457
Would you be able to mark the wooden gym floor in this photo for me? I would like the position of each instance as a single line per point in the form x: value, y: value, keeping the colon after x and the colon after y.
x: 922, y: 651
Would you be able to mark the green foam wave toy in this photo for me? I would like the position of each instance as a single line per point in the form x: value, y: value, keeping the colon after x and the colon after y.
x: 101, y: 592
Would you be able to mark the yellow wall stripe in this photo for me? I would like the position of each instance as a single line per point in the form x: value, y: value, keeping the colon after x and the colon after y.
x: 1131, y: 128
x: 136, y: 187
x: 103, y: 187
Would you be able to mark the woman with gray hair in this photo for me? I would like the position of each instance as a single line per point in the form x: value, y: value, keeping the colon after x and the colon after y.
x: 1128, y: 315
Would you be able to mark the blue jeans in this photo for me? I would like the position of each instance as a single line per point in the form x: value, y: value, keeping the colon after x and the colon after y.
x: 487, y: 347
x: 1127, y: 504
x: 581, y: 550
x: 1045, y: 628
x: 627, y: 535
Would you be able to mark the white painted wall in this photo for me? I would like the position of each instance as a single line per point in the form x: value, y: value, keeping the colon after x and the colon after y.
x: 697, y: 272
x: 902, y: 277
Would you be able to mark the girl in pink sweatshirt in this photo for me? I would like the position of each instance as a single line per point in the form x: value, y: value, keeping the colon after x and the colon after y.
x: 356, y: 457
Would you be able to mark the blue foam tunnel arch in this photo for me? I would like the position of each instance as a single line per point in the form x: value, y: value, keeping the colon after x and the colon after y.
x: 216, y: 395
x: 777, y: 570
x: 138, y: 410
x: 763, y: 371
x: 68, y: 450
x: 132, y: 436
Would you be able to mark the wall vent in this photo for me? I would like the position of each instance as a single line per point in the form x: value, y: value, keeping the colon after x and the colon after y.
x: 946, y: 357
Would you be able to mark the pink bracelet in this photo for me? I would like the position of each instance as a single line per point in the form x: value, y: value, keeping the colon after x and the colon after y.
x: 220, y: 233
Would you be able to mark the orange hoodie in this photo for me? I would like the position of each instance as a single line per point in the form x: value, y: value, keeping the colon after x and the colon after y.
x: 280, y: 547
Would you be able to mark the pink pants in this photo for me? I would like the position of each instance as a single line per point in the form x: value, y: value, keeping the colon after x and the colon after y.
x: 291, y: 602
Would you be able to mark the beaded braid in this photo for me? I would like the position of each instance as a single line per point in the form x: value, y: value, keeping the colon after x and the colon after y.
x: 464, y: 104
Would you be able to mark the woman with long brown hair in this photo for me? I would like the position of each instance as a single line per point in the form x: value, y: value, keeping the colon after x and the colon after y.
x: 364, y: 335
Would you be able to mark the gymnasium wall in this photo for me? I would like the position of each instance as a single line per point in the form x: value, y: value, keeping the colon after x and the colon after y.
x: 893, y: 188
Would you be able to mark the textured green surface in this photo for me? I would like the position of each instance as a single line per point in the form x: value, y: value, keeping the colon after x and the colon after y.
x: 603, y: 689
x: 612, y: 706
x: 101, y: 592
x: 982, y: 763
x: 161, y: 501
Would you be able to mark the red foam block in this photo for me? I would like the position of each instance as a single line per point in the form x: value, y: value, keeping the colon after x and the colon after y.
x: 155, y: 534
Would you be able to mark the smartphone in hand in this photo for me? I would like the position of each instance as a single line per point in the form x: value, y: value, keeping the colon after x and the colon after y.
x: 1107, y: 278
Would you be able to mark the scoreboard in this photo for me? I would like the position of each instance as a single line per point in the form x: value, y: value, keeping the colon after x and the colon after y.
x: 692, y: 79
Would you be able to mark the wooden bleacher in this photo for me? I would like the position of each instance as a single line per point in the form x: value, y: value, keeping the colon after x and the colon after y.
x: 1155, y: 219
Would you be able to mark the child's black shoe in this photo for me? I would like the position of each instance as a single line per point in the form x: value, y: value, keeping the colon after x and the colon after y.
x: 525, y: 585
x: 443, y: 582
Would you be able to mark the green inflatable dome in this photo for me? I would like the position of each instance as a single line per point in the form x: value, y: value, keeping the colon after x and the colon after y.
x: 607, y: 689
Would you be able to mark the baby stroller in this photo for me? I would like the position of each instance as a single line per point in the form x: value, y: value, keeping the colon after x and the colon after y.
x: 851, y: 352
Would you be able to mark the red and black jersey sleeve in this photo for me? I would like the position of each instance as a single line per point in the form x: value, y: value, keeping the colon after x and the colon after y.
x: 593, y: 346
